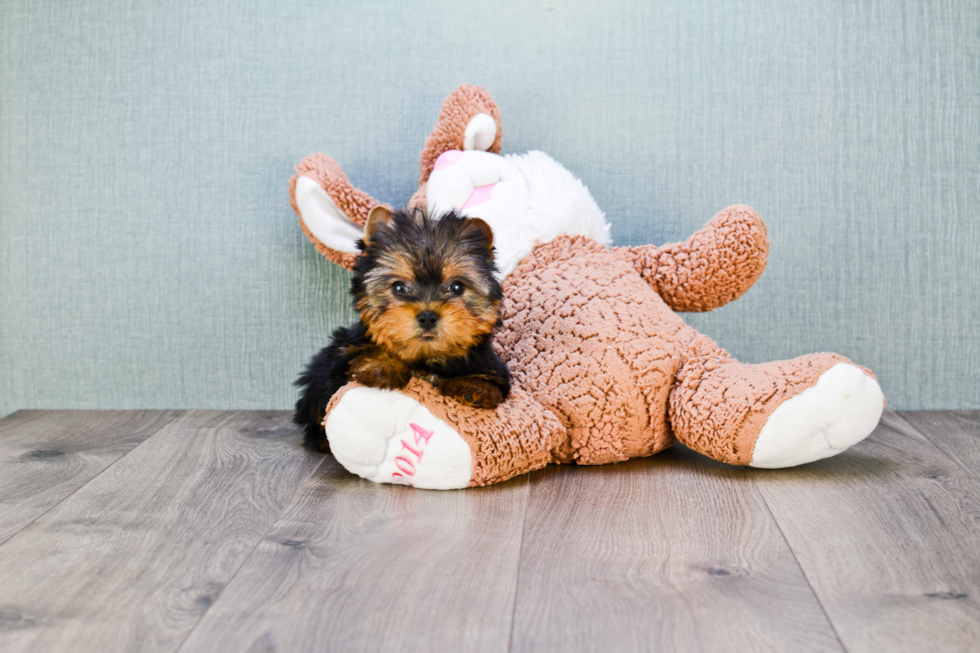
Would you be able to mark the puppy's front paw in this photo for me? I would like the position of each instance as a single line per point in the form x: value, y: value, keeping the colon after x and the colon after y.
x: 380, y: 371
x: 472, y: 391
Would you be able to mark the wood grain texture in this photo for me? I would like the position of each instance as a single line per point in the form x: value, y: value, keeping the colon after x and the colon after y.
x: 47, y: 455
x: 354, y: 566
x: 218, y: 532
x: 956, y: 432
x: 672, y: 553
x: 888, y: 534
x: 132, y: 560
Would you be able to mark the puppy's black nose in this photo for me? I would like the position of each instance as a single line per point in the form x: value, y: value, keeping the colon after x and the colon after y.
x: 428, y: 319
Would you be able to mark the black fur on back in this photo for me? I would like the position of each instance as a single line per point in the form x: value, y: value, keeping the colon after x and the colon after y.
x: 324, y: 376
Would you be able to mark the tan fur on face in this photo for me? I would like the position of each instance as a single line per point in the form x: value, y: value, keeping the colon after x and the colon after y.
x: 459, y: 328
x: 397, y: 330
x: 378, y: 282
x: 428, y: 256
x: 467, y: 271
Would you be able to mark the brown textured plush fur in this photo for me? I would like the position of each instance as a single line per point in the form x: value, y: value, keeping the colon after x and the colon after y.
x: 603, y: 368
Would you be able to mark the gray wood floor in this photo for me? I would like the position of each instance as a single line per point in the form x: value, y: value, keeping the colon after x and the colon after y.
x: 214, y: 531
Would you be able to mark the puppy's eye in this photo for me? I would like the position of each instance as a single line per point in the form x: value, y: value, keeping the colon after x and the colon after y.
x: 456, y: 288
x: 399, y: 288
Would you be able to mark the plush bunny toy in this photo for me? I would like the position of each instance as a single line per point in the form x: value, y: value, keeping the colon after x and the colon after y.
x: 603, y: 368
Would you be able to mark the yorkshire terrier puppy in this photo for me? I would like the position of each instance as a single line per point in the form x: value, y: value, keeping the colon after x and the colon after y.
x: 428, y: 302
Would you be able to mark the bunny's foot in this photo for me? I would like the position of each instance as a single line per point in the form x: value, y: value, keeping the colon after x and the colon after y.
x: 778, y: 414
x: 836, y: 412
x: 388, y: 437
x: 418, y: 437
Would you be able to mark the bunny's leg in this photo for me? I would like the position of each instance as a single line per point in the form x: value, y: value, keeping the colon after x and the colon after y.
x: 778, y: 414
x: 418, y: 437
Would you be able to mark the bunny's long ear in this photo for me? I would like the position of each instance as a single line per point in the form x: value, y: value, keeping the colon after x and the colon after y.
x: 331, y: 211
x: 469, y: 120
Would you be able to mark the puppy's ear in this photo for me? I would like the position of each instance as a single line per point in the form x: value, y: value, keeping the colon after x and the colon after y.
x: 479, y: 227
x: 380, y: 217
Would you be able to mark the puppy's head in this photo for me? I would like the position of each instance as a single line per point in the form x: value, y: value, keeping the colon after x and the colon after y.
x: 425, y: 287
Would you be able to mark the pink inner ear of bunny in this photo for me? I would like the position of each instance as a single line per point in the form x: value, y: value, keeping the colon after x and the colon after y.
x: 450, y: 131
x: 448, y: 158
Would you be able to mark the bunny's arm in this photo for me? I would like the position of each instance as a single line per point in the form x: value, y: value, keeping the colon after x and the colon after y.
x: 332, y: 212
x: 714, y: 266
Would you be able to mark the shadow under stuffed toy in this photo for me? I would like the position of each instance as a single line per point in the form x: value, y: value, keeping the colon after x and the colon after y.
x: 602, y: 367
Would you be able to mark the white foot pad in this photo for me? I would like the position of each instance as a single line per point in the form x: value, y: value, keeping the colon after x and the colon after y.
x: 387, y: 437
x: 837, y: 412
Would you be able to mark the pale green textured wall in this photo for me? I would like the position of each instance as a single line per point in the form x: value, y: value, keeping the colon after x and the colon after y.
x: 148, y: 255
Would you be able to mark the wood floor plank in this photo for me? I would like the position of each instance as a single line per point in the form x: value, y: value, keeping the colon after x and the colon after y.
x: 47, y: 455
x: 955, y: 432
x: 888, y: 534
x: 354, y: 566
x: 132, y: 560
x: 670, y: 553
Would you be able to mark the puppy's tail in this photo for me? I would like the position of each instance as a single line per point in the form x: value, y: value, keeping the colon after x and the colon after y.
x: 326, y: 373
